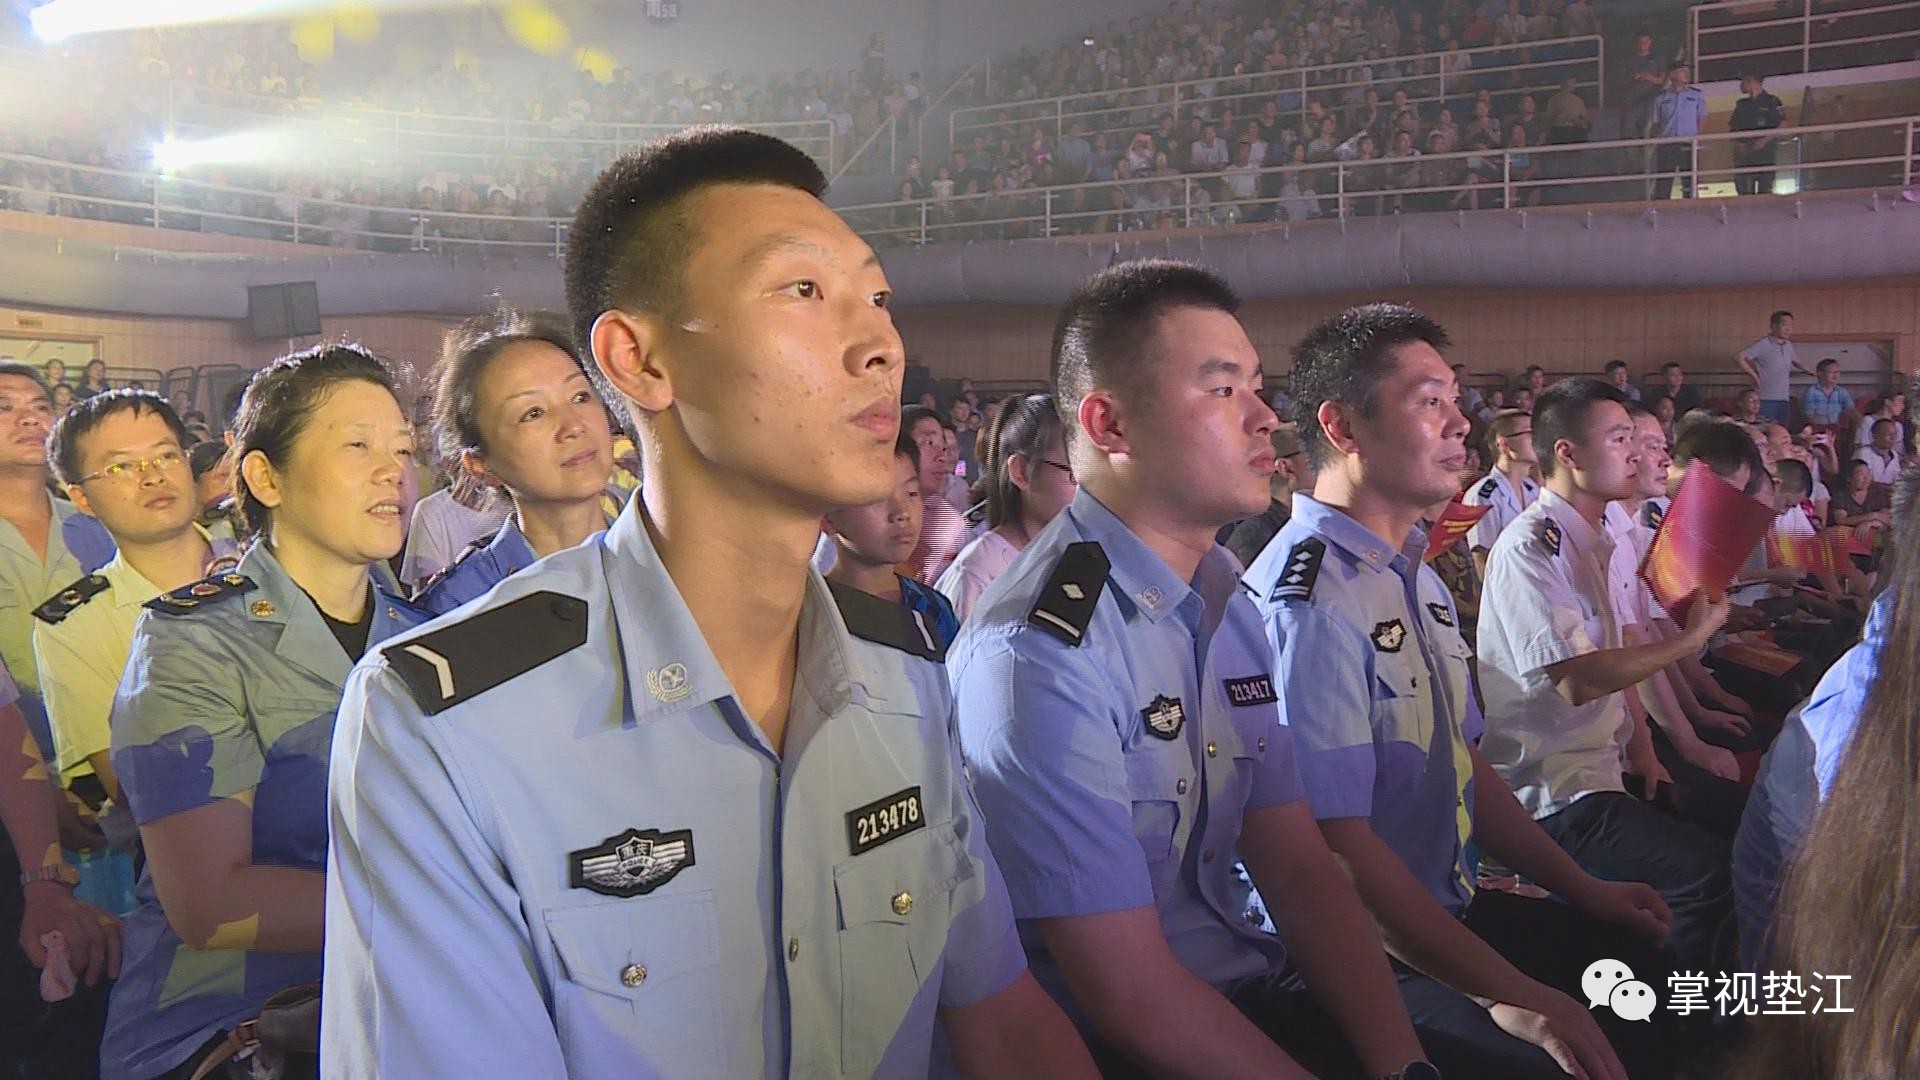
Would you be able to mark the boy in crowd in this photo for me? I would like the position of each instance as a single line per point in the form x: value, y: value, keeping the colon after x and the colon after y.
x: 871, y: 541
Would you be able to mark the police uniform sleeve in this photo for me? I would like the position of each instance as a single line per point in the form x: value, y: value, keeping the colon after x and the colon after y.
x: 1542, y: 613
x: 983, y: 955
x: 430, y: 966
x: 1037, y: 731
x: 181, y: 737
x: 78, y: 691
x: 1484, y: 532
x: 1325, y: 701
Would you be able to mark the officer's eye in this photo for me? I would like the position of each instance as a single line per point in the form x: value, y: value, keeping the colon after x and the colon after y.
x: 805, y: 289
x: 581, y: 397
x: 533, y: 413
x: 882, y: 298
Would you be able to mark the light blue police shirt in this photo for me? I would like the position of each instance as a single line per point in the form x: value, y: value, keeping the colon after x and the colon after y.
x: 560, y: 848
x: 231, y: 686
x: 1795, y: 777
x: 479, y: 568
x: 1374, y: 684
x: 1115, y: 771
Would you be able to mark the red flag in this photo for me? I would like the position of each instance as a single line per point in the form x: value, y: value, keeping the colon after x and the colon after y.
x: 1457, y: 520
x: 1703, y: 540
x: 1817, y: 554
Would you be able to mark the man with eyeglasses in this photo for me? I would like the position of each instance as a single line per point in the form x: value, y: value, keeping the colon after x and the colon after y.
x: 1509, y: 488
x: 121, y: 457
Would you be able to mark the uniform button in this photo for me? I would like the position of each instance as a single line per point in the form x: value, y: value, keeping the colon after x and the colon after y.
x: 903, y: 904
x: 1206, y: 856
x: 793, y: 948
x: 1213, y: 750
x: 1180, y: 788
x: 392, y: 614
x: 1416, y: 682
x: 633, y: 975
x: 1261, y: 744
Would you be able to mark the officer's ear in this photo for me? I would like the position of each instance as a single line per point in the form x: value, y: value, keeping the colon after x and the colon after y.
x: 475, y: 466
x: 1335, y: 421
x: 261, y: 478
x: 626, y: 348
x: 78, y: 496
x: 1101, y: 423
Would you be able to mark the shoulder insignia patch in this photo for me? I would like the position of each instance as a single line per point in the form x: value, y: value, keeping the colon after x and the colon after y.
x: 1441, y: 613
x: 886, y: 623
x: 208, y: 590
x: 68, y: 600
x: 1550, y: 535
x: 1487, y: 489
x: 1065, y: 606
x: 1302, y: 570
x: 477, y: 653
x: 1650, y: 514
x: 1390, y: 635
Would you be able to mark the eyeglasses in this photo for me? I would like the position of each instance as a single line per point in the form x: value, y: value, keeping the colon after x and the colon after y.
x: 1068, y: 469
x: 127, y: 470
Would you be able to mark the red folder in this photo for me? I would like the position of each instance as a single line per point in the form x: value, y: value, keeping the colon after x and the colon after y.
x: 1822, y: 553
x: 1458, y: 520
x: 1703, y: 540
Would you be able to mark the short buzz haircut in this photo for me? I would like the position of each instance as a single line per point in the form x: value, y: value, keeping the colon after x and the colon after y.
x: 63, y: 446
x: 1635, y: 409
x: 631, y: 238
x: 1503, y: 425
x: 1672, y: 365
x: 1723, y: 446
x: 1774, y: 320
x: 1823, y: 365
x: 1793, y: 476
x: 1561, y: 412
x: 1615, y: 365
x: 1099, y: 338
x: 27, y: 371
x: 1344, y: 360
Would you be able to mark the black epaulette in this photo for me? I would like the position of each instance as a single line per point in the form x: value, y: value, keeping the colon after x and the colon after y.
x: 472, y: 656
x: 1487, y: 489
x: 1065, y: 607
x: 68, y: 600
x: 1650, y: 514
x: 466, y: 553
x: 887, y: 623
x: 208, y: 590
x: 1302, y: 570
x: 1550, y: 535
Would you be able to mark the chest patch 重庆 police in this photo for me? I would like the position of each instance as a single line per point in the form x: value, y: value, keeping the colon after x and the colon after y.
x: 634, y: 863
x: 1164, y: 717
x: 1252, y: 690
x: 1390, y: 635
x: 1441, y: 613
x: 885, y: 819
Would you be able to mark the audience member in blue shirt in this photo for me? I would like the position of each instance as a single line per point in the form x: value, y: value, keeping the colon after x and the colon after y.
x: 516, y: 418
x: 1827, y: 403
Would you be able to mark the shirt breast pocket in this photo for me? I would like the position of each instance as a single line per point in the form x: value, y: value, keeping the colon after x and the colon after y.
x: 632, y: 976
x: 1158, y: 778
x: 1401, y: 711
x: 896, y: 907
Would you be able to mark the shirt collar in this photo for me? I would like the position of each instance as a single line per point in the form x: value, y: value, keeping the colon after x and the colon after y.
x: 1365, y: 545
x: 1143, y: 579
x: 1573, y: 525
x: 670, y: 667
x: 130, y: 587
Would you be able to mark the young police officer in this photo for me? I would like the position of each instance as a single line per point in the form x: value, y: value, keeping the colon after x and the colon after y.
x: 1555, y: 667
x: 1374, y: 683
x: 1117, y: 709
x: 648, y: 809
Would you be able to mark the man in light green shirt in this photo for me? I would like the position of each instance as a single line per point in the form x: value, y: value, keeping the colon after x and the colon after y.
x: 121, y: 456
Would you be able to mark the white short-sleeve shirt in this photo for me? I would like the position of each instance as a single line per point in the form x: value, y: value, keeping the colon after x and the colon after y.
x: 1497, y: 493
x: 1548, y: 598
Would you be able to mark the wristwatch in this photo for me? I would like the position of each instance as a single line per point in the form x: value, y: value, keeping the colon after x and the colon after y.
x: 61, y: 873
x: 1415, y: 1070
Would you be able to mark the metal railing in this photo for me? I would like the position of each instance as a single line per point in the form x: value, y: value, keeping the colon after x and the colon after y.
x: 1859, y: 154
x: 1735, y: 37
x: 368, y: 133
x: 1867, y: 153
x: 42, y: 185
x: 1429, y: 77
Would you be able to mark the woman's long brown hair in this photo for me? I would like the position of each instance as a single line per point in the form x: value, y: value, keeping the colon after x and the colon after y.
x: 1850, y: 904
